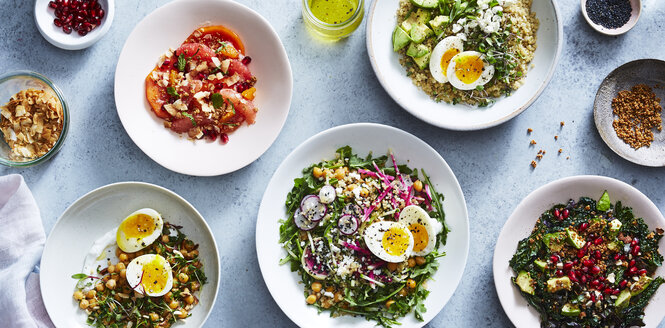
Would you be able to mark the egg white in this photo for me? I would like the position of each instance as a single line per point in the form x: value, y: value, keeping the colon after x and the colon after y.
x: 135, y: 274
x: 133, y: 244
x: 413, y: 214
x: 485, y: 76
x: 373, y: 236
x: 436, y: 67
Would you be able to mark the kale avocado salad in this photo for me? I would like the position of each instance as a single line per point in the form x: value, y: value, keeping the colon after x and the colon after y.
x: 364, y: 236
x: 589, y: 264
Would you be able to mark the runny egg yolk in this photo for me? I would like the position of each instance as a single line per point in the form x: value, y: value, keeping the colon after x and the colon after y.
x: 395, y: 241
x: 420, y: 236
x: 138, y: 226
x: 468, y: 69
x: 155, y: 276
x: 445, y: 59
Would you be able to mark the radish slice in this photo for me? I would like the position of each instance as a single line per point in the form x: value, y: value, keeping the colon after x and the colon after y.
x: 348, y: 224
x: 327, y: 194
x: 315, y: 264
x: 302, y: 222
x: 312, y: 208
x: 353, y: 209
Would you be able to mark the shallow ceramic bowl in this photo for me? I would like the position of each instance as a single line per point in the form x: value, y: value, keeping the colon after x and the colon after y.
x: 644, y: 71
x: 100, y: 211
x: 11, y: 84
x: 523, y: 219
x: 392, y: 76
x: 44, y: 17
x: 169, y: 26
x: 636, y: 6
x: 285, y: 286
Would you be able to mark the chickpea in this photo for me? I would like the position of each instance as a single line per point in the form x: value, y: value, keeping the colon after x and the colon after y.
x: 110, y: 284
x: 193, y: 254
x: 120, y: 266
x: 123, y: 257
x: 78, y: 295
x: 195, y: 285
x: 184, y: 253
x: 165, y: 238
x: 389, y: 303
x: 411, y: 283
x: 92, y: 303
x: 411, y: 262
x: 339, y: 174
x: 189, y: 299
x: 183, y: 277
x: 418, y: 185
x: 111, y: 268
x: 316, y: 287
x: 392, y: 266
x: 154, y: 316
x: 91, y: 294
x: 317, y: 172
x: 338, y: 297
x: 99, y: 287
x: 123, y: 273
x: 402, y: 292
x: 330, y: 289
x: 364, y: 192
x: 311, y: 299
x: 327, y: 304
x: 84, y: 304
x: 167, y: 297
x: 174, y: 304
x: 351, y: 186
x: 420, y: 260
x: 183, y: 314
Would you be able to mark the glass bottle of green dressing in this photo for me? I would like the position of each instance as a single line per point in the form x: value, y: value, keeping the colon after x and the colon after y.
x: 333, y: 19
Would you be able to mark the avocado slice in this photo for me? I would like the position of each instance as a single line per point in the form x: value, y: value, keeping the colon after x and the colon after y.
x: 640, y: 285
x: 400, y: 38
x: 613, y: 246
x: 604, y: 202
x: 615, y: 227
x: 542, y: 265
x: 420, y: 32
x: 575, y: 239
x: 570, y: 310
x: 525, y: 282
x: 422, y: 62
x: 439, y: 23
x: 554, y: 241
x: 429, y: 4
x: 417, y: 50
x: 419, y: 16
x: 623, y: 299
x: 556, y: 284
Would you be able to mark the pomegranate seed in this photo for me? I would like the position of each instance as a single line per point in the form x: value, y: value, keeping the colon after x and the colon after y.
x: 79, y: 18
x: 608, y: 290
x: 584, y: 279
x: 57, y: 22
x: 634, y: 242
x: 581, y: 253
x: 65, y: 3
x: 84, y: 5
x: 224, y: 138
x: 600, y: 297
x: 572, y: 276
x: 247, y: 60
x: 595, y: 270
x: 568, y: 266
x: 53, y: 5
x: 575, y: 262
x: 69, y: 18
x: 616, y: 291
x: 598, y: 241
x: 587, y: 263
x: 100, y: 12
x: 632, y: 270
x: 593, y: 297
x: 642, y: 272
x: 636, y: 250
x: 554, y: 259
x: 623, y: 283
x: 617, y: 256
x: 565, y: 213
x: 98, y: 6
x: 584, y: 226
x: 632, y: 263
x: 556, y: 212
x: 67, y: 29
x: 559, y: 273
x: 595, y: 283
x: 598, y: 255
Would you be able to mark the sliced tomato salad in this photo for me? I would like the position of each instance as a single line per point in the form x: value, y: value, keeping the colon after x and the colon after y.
x: 205, y: 87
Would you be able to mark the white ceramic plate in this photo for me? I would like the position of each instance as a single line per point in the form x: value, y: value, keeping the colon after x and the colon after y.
x: 167, y: 27
x: 44, y: 17
x: 523, y: 219
x: 100, y: 211
x: 392, y: 76
x: 363, y: 137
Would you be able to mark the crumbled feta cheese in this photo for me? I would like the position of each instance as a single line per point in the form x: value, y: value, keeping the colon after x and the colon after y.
x: 457, y: 28
x: 179, y: 105
x: 328, y: 294
x: 201, y: 94
x: 170, y: 109
x: 161, y: 60
x: 216, y: 61
x: 225, y: 65
x: 229, y: 81
x: 611, y: 278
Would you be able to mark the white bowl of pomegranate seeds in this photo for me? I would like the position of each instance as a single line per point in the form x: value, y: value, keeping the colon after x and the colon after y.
x: 74, y: 24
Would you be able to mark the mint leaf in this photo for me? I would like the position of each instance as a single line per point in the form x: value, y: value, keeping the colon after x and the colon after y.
x: 233, y: 108
x: 181, y: 62
x: 187, y: 115
x: 217, y: 100
x: 171, y: 91
x: 79, y: 276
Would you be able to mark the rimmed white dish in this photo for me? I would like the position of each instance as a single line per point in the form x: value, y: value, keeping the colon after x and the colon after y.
x: 100, y: 211
x: 54, y: 35
x: 168, y: 26
x: 521, y: 223
x: 392, y: 76
x: 284, y: 285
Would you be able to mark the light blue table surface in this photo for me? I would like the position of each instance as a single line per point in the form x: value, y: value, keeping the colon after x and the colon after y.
x: 333, y: 85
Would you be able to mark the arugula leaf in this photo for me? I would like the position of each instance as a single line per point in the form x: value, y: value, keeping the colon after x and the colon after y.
x: 171, y: 91
x: 182, y: 62
x: 217, y: 100
x: 190, y: 117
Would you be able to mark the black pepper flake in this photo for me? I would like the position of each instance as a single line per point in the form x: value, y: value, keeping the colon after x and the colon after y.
x: 609, y: 13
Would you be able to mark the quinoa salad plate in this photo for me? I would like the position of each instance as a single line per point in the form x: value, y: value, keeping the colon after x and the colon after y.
x: 362, y: 225
x: 582, y: 251
x: 464, y: 64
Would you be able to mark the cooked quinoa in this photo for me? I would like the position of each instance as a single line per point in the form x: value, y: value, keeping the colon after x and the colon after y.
x: 521, y: 45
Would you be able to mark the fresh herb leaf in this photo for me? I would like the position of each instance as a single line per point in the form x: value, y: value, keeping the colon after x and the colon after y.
x: 217, y: 100
x: 80, y: 276
x: 182, y: 62
x: 233, y: 108
x: 190, y: 117
x: 171, y: 91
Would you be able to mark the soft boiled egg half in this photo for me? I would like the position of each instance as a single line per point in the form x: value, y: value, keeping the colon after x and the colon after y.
x: 443, y: 52
x: 150, y: 275
x: 389, y: 241
x: 423, y: 228
x: 139, y: 230
x: 468, y: 70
